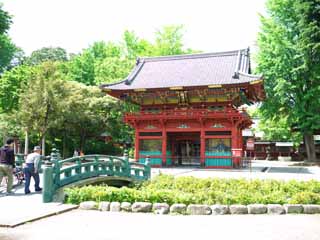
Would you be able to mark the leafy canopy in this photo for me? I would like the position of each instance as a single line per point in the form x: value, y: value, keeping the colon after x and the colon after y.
x: 7, y: 49
x: 289, y: 58
x: 47, y: 54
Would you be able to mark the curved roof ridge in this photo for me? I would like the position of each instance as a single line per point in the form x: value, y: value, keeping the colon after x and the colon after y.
x: 128, y: 80
x: 190, y: 56
x: 250, y: 75
x: 112, y: 84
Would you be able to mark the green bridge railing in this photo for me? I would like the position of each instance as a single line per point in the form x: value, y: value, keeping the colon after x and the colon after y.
x: 58, y: 173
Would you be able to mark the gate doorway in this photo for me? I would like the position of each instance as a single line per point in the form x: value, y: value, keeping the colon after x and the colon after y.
x: 185, y: 148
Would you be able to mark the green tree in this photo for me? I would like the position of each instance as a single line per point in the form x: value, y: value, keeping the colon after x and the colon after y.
x: 7, y: 48
x: 41, y: 103
x: 278, y: 130
x: 9, y: 125
x: 47, y: 54
x: 85, y: 106
x: 12, y: 83
x: 289, y: 50
x: 112, y: 69
x: 5, y: 20
x: 169, y: 41
x: 135, y: 47
x: 82, y: 67
x: 110, y: 62
x: 273, y: 130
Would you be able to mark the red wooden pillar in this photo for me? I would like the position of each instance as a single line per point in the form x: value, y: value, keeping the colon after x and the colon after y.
x: 136, y: 144
x: 202, y: 146
x: 234, y: 137
x: 240, y: 139
x: 164, y: 145
x: 234, y: 142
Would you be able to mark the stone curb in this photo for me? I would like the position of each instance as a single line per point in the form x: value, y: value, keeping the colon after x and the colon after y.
x: 201, y: 209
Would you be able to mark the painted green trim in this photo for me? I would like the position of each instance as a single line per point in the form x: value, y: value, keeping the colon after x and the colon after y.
x: 218, y: 154
x: 153, y: 161
x: 150, y: 153
x: 218, y: 162
x: 59, y: 173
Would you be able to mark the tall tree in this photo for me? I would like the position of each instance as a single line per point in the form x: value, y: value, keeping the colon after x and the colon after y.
x: 112, y: 69
x: 41, y: 103
x: 82, y: 67
x: 135, y: 47
x: 85, y: 106
x: 7, y: 48
x: 289, y: 59
x: 47, y: 54
x: 169, y: 41
x: 12, y: 83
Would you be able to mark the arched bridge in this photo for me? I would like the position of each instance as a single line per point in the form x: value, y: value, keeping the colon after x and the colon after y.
x: 58, y: 174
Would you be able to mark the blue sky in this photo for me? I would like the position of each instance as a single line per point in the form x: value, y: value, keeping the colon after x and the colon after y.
x: 210, y: 25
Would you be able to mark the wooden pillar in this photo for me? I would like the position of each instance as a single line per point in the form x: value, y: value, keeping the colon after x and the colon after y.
x: 237, y: 137
x: 164, y: 145
x: 234, y: 141
x: 43, y: 145
x: 234, y: 137
x: 202, y: 146
x: 136, y: 145
x: 240, y: 139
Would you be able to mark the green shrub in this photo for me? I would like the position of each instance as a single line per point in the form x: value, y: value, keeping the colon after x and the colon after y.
x: 187, y: 190
x: 305, y: 198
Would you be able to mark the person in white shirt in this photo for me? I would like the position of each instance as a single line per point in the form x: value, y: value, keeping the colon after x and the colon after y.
x: 31, y: 169
x: 75, y: 153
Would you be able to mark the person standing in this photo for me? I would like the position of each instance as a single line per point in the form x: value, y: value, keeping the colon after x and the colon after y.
x: 76, y: 153
x: 81, y: 153
x: 31, y: 169
x: 7, y: 163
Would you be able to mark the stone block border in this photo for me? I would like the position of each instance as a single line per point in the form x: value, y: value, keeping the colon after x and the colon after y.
x: 201, y: 209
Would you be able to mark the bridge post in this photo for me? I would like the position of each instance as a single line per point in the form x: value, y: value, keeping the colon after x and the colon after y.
x: 51, y: 176
x: 48, y: 187
x: 148, y: 167
x: 126, y: 159
x: 55, y: 157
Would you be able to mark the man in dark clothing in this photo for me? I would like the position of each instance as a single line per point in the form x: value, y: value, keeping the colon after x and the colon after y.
x: 7, y: 163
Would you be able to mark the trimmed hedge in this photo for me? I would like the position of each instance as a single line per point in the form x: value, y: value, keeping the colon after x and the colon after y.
x: 191, y: 190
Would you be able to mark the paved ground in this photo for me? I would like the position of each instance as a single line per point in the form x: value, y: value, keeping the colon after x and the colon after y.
x: 81, y: 224
x: 20, y: 208
x: 260, y: 170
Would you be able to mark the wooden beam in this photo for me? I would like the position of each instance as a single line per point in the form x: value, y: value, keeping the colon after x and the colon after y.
x: 176, y: 88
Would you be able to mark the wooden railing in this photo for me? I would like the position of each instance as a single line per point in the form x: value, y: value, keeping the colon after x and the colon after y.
x: 187, y: 113
x: 59, y: 173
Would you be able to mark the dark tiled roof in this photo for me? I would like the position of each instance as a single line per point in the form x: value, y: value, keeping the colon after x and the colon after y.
x: 188, y: 70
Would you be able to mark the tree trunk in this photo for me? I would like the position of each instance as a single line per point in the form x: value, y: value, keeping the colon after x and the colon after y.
x: 43, y: 145
x: 15, y: 146
x: 82, y: 142
x: 26, y: 143
x: 310, y: 147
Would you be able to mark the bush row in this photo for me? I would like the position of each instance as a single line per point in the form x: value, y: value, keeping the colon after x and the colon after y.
x: 191, y: 190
